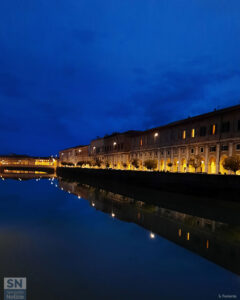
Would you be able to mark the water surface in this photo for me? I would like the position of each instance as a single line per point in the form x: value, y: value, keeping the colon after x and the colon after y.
x: 73, y: 241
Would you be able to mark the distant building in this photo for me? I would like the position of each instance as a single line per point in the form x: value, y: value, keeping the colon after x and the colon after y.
x: 27, y: 161
x: 208, y: 138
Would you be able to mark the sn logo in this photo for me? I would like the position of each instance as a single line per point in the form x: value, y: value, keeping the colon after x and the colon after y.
x: 15, y: 283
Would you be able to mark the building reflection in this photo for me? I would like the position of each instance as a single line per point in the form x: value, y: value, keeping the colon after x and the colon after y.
x: 216, y: 241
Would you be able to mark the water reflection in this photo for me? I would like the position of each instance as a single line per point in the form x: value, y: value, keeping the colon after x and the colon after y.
x: 216, y: 241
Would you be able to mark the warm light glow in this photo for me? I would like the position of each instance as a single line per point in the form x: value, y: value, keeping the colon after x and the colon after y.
x: 184, y: 134
x: 213, y: 129
x: 93, y: 204
x: 188, y: 236
x: 193, y: 133
x: 94, y: 148
x: 152, y: 235
x: 156, y: 134
x: 177, y: 162
x: 141, y: 142
x: 113, y: 215
x: 180, y: 232
x: 79, y: 197
x: 80, y: 150
x: 114, y: 144
x: 207, y: 244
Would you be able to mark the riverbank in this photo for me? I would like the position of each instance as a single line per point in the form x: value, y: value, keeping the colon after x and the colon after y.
x: 224, y: 187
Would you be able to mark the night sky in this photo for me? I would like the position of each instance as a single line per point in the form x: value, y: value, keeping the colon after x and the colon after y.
x: 74, y: 70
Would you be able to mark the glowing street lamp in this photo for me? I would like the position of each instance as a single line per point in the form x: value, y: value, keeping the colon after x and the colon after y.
x: 156, y: 134
x: 114, y: 144
x: 112, y: 214
x: 152, y: 235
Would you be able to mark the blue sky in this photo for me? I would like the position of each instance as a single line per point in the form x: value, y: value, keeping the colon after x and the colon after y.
x: 73, y: 70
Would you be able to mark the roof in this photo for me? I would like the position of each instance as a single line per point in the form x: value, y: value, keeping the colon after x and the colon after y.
x: 196, y: 118
x: 75, y: 147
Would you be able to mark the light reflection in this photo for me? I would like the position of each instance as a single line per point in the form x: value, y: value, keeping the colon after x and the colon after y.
x: 152, y: 235
x: 113, y: 214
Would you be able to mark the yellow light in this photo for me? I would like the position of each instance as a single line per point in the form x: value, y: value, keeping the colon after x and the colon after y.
x: 207, y: 244
x: 193, y: 133
x: 79, y: 197
x: 180, y: 232
x: 152, y: 235
x: 156, y: 134
x: 188, y: 236
x: 184, y: 134
x: 113, y: 215
x: 114, y: 144
x: 213, y: 129
x: 93, y: 204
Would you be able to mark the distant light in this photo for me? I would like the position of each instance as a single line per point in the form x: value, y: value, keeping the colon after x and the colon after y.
x: 93, y: 204
x: 177, y: 162
x: 113, y: 215
x: 62, y: 189
x: 152, y: 235
x: 51, y: 182
x: 80, y: 150
x: 69, y: 192
x: 94, y: 148
x: 55, y: 185
x: 156, y: 134
x: 114, y: 144
x: 202, y: 161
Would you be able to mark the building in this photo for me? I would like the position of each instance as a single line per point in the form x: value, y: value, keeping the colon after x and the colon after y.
x: 71, y: 156
x: 195, y: 144
x: 25, y: 160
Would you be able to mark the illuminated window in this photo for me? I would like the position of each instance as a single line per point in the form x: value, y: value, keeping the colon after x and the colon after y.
x: 188, y: 236
x: 141, y: 142
x: 184, y: 134
x: 193, y: 133
x: 213, y: 129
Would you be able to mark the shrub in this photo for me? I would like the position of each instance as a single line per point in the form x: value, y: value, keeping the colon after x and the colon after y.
x: 135, y: 163
x: 232, y: 163
x: 150, y: 164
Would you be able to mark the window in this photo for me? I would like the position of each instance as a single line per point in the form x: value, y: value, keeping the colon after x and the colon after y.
x: 141, y: 142
x: 213, y: 129
x: 225, y: 126
x: 193, y: 133
x: 238, y: 124
x: 192, y: 150
x: 202, y: 131
x: 184, y: 134
x: 213, y: 149
x: 201, y: 149
x: 238, y: 147
x: 224, y: 147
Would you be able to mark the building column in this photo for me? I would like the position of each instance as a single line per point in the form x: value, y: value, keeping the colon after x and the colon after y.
x: 206, y: 159
x: 158, y: 154
x: 217, y: 158
x: 179, y: 158
x: 230, y: 149
x: 187, y: 158
x: 165, y: 159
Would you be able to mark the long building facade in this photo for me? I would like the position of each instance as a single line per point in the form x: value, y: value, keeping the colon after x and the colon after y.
x: 196, y: 144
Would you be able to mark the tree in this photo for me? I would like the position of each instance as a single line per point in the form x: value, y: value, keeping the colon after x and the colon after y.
x: 124, y: 165
x: 232, y: 163
x: 80, y: 163
x: 136, y: 163
x: 97, y: 162
x: 195, y: 162
x: 150, y: 164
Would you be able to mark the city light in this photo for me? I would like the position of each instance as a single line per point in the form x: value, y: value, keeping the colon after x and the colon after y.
x: 156, y: 134
x: 113, y: 214
x: 152, y: 235
x: 114, y: 144
x: 93, y: 204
